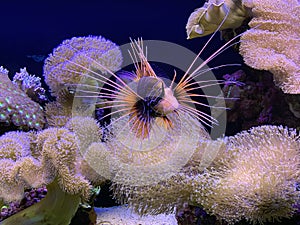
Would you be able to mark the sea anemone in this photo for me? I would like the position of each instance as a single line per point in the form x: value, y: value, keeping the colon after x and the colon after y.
x: 256, y: 179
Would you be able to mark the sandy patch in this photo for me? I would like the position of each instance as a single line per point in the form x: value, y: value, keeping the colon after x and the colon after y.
x: 120, y: 215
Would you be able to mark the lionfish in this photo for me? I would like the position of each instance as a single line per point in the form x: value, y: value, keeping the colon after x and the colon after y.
x: 147, y: 100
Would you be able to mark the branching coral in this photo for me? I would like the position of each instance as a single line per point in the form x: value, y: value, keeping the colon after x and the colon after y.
x: 76, y: 57
x: 256, y: 179
x: 17, y: 108
x: 273, y: 42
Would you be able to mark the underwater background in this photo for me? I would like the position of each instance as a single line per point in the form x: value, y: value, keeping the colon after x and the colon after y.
x: 30, y: 30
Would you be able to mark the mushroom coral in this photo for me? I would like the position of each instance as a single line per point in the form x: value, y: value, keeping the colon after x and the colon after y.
x: 139, y: 168
x: 273, y: 42
x: 164, y: 153
x: 77, y: 61
x: 49, y: 158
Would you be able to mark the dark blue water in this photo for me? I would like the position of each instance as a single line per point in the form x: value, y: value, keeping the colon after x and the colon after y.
x: 31, y: 29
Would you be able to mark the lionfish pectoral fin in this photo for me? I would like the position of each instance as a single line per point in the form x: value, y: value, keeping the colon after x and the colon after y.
x: 164, y: 122
x: 140, y: 128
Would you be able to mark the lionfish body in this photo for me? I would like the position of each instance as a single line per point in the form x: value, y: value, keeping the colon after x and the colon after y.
x: 152, y: 101
x: 146, y: 100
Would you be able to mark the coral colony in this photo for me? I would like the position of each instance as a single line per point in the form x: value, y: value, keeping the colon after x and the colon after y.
x: 271, y: 44
x: 154, y: 148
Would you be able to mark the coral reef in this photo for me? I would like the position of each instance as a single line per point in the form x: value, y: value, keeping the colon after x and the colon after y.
x: 154, y: 149
x: 53, y: 156
x: 264, y: 45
